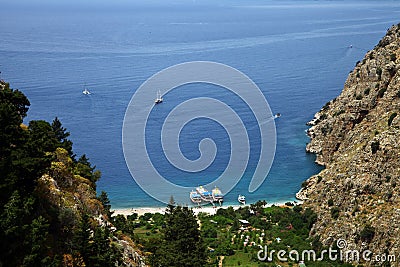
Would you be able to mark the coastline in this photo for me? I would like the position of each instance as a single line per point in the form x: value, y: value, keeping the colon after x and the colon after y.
x: 206, y: 209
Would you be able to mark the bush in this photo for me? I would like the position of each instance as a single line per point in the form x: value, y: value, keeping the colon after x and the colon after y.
x: 330, y: 202
x: 393, y: 57
x: 338, y: 113
x: 366, y: 91
x: 335, y: 212
x: 359, y: 97
x: 379, y: 73
x: 367, y: 234
x: 391, y: 118
x: 326, y: 106
x: 323, y: 116
x: 381, y: 92
x: 374, y: 147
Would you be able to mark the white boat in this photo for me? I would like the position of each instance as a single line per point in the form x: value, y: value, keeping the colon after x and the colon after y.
x: 217, y: 195
x: 204, y: 194
x: 242, y: 199
x: 86, y: 91
x: 159, y: 98
x: 195, y: 197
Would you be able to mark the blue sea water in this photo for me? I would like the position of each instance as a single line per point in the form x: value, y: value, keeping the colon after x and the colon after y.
x: 297, y: 52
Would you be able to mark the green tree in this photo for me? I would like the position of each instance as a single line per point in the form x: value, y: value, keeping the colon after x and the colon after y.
x: 82, y: 237
x: 62, y: 135
x: 102, y: 251
x: 182, y: 244
x: 84, y: 168
x: 36, y: 240
x: 106, y: 204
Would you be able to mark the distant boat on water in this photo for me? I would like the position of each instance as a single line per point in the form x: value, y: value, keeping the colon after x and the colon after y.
x: 204, y: 194
x: 217, y: 195
x: 86, y: 91
x: 159, y: 98
x: 201, y: 194
x: 242, y: 199
x: 195, y: 197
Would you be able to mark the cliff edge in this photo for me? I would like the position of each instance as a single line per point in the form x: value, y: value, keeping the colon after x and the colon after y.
x: 356, y: 136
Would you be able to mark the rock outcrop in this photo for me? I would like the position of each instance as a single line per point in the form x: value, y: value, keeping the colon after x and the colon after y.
x: 356, y: 136
x: 75, y: 195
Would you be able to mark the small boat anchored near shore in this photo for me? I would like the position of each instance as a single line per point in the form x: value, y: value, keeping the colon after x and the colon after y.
x: 242, y: 199
x: 202, y: 195
x: 217, y: 195
x: 195, y: 197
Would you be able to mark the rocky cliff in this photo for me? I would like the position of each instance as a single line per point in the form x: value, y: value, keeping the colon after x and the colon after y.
x: 75, y: 196
x: 356, y: 136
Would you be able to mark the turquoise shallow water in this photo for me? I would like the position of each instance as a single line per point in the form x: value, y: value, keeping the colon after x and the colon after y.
x: 297, y: 52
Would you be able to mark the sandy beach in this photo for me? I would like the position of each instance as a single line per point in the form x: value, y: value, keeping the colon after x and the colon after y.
x: 206, y: 209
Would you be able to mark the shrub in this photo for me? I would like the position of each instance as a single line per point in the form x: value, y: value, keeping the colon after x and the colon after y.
x: 393, y: 57
x: 359, y: 97
x: 330, y: 202
x: 355, y: 210
x: 381, y: 92
x: 335, y: 212
x: 374, y: 146
x: 391, y: 118
x: 326, y: 106
x: 337, y: 113
x: 379, y: 72
x: 367, y: 234
x: 366, y: 91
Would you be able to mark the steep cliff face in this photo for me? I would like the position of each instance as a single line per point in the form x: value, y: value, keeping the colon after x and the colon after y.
x: 357, y: 138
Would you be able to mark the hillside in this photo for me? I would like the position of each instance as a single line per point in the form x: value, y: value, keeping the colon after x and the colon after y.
x: 356, y: 136
x: 50, y: 212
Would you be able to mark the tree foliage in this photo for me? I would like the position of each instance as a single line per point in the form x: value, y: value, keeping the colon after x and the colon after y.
x: 182, y: 244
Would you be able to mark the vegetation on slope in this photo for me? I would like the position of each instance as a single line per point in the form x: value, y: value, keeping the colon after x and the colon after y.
x: 231, y: 237
x: 50, y: 214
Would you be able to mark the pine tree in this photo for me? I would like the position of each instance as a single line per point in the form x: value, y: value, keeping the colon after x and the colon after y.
x: 85, y: 169
x: 62, y: 135
x: 106, y: 204
x: 182, y: 244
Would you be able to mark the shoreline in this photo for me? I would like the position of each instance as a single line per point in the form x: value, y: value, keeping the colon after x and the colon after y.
x: 206, y: 209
